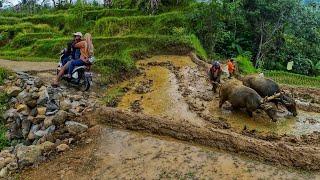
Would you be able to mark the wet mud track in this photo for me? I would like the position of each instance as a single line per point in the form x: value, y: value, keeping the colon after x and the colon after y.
x: 131, y: 155
x: 179, y: 103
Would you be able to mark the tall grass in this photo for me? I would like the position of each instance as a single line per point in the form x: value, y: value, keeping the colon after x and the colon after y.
x: 245, y: 65
x: 294, y: 79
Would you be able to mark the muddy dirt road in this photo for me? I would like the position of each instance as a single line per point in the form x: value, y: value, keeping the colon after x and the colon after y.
x: 119, y: 154
x: 174, y: 93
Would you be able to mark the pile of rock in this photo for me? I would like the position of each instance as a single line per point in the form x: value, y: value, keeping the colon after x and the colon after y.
x: 40, y: 119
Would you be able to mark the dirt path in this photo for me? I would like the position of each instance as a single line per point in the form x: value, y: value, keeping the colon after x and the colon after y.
x: 26, y: 66
x: 119, y: 154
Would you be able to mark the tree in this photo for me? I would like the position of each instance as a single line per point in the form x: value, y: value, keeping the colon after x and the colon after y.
x: 107, y: 3
x: 267, y: 18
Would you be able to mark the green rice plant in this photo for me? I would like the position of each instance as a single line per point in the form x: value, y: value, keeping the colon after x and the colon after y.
x: 9, y: 20
x: 120, y: 26
x: 294, y: 79
x: 26, y: 39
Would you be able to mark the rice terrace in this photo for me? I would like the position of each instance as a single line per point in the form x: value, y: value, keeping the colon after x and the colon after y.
x: 159, y: 89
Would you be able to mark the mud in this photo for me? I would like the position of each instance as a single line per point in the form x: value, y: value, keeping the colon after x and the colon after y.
x: 181, y: 93
x: 132, y: 155
x: 281, y: 152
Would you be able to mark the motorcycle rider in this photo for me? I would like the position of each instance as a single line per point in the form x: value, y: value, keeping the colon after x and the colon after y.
x: 86, y: 51
x: 71, y: 52
x: 75, y: 53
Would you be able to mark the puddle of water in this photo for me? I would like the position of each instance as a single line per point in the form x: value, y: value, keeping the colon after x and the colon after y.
x: 304, y: 123
x: 164, y: 98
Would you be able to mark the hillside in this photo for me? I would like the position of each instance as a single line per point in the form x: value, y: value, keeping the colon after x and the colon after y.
x: 120, y: 36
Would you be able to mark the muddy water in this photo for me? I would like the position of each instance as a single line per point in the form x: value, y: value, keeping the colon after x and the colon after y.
x: 304, y: 123
x: 164, y: 98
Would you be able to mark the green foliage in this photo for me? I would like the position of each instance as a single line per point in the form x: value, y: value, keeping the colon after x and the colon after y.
x: 26, y: 39
x: 303, y: 66
x: 112, y: 97
x: 4, y: 142
x: 4, y: 73
x: 275, y: 32
x: 161, y: 24
x: 97, y: 14
x: 294, y: 79
x: 245, y: 65
x: 120, y: 35
x: 9, y: 20
x: 198, y: 47
x: 3, y: 106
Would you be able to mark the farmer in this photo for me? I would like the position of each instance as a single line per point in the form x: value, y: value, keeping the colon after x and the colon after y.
x: 214, y: 75
x: 231, y: 68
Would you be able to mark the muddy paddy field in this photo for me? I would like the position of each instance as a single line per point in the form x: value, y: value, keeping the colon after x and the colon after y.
x: 179, y: 132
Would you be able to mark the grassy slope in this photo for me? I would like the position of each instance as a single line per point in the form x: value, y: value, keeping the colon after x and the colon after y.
x: 3, y: 106
x: 120, y: 36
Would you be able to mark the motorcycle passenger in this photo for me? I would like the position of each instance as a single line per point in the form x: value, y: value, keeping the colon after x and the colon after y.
x: 214, y: 74
x: 86, y: 51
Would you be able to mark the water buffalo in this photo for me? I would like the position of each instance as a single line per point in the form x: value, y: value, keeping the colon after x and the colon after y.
x: 241, y: 96
x: 267, y: 87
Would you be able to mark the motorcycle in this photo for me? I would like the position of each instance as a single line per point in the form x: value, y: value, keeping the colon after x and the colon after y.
x: 81, y: 76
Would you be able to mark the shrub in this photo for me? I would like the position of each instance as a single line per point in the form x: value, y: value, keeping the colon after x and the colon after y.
x: 303, y: 66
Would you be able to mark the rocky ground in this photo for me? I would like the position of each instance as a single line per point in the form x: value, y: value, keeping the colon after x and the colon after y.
x: 41, y: 121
